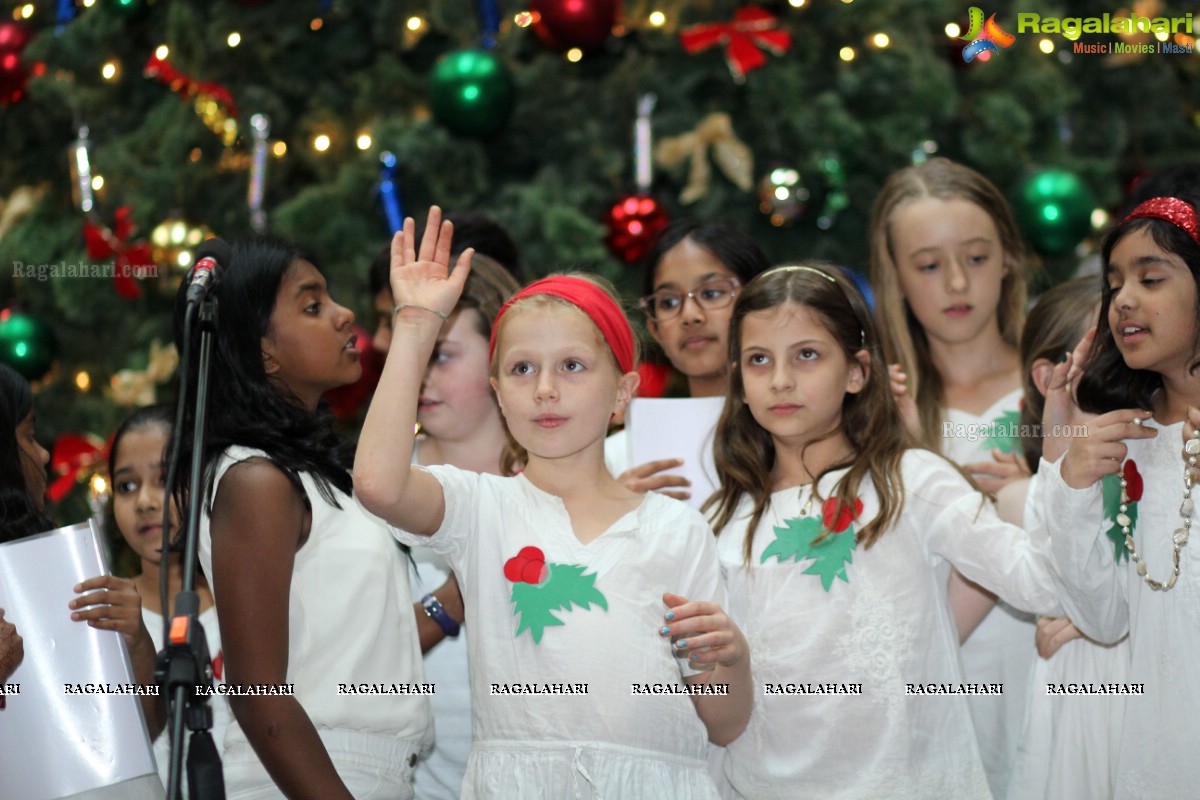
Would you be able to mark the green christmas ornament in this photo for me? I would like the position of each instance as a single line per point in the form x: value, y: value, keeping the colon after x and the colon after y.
x: 471, y: 92
x: 1054, y: 209
x: 127, y: 8
x: 27, y: 344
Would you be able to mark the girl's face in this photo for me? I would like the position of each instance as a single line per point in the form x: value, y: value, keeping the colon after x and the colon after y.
x: 456, y: 396
x: 556, y: 382
x: 795, y: 374
x: 310, y: 344
x: 34, y: 459
x: 696, y: 339
x: 138, y: 482
x: 1152, y: 312
x: 950, y: 265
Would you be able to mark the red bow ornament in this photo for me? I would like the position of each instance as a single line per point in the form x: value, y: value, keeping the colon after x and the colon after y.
x: 131, y: 257
x: 752, y: 27
x: 75, y: 456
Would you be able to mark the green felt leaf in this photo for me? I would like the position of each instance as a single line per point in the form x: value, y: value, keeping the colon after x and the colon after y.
x: 1117, y: 536
x: 795, y: 540
x: 794, y: 537
x: 1002, y: 436
x: 831, y: 555
x: 566, y: 585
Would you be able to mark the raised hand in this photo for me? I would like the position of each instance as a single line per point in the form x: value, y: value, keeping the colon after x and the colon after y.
x: 646, y: 478
x: 423, y: 282
x: 1102, y: 450
x: 703, y: 631
x: 1061, y: 411
x: 1191, y: 424
x: 1003, y: 469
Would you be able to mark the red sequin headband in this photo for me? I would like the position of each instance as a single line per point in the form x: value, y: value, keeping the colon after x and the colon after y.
x: 1179, y: 213
x: 591, y: 300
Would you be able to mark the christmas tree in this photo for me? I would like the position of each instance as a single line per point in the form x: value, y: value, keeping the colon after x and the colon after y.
x: 229, y: 116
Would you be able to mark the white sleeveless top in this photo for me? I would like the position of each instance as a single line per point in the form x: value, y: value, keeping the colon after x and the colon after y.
x: 350, y: 620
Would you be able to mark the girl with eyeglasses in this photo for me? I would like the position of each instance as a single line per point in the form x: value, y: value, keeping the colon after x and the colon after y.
x: 693, y: 273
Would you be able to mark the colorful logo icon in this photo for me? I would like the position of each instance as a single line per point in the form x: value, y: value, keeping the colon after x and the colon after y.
x: 985, y: 37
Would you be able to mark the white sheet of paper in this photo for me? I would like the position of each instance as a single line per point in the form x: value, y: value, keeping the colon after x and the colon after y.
x: 678, y: 428
x: 54, y: 744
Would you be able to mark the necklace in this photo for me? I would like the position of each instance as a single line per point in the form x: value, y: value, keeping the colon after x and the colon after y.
x: 1180, y: 536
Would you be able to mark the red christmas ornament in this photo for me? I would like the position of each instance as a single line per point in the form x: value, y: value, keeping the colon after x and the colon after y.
x: 633, y: 222
x: 13, y: 74
x: 752, y: 27
x: 345, y: 401
x: 74, y: 457
x: 563, y: 24
x: 830, y: 507
x: 132, y: 259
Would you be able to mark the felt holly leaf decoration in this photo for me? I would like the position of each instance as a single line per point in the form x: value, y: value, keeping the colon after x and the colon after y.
x: 1111, y: 491
x: 796, y: 540
x: 792, y: 539
x: 1001, y: 437
x: 560, y: 587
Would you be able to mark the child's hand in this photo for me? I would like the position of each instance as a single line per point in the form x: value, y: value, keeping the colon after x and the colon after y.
x: 424, y: 279
x: 907, y: 404
x: 116, y: 606
x: 645, y: 478
x: 1003, y: 469
x: 1102, y: 451
x: 703, y: 631
x: 1053, y: 633
x: 1061, y: 411
x: 12, y: 648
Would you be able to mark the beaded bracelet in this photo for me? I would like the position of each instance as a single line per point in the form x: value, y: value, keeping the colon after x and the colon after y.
x: 400, y: 306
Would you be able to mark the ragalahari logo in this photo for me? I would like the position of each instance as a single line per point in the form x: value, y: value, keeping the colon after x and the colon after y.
x: 985, y: 37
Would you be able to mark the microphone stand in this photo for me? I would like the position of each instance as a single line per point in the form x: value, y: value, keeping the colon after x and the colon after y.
x: 184, y: 668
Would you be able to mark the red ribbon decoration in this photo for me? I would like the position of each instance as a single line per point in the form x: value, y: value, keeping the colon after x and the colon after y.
x: 752, y: 28
x: 74, y: 456
x: 103, y: 244
x: 187, y: 86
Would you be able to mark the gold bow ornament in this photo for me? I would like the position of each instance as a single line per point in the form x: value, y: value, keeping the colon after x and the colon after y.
x: 732, y: 156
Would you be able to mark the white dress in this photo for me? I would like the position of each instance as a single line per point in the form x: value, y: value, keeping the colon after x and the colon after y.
x: 1068, y: 742
x: 219, y: 705
x: 1003, y: 648
x: 1156, y: 756
x: 879, y: 622
x: 351, y: 628
x: 553, y: 673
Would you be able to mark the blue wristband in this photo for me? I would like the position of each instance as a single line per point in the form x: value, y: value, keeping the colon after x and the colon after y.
x: 434, y: 610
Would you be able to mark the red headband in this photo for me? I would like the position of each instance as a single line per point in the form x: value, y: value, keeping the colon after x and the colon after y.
x: 1179, y: 213
x: 591, y: 300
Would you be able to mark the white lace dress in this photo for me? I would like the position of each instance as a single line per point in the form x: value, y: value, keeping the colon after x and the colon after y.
x: 879, y: 623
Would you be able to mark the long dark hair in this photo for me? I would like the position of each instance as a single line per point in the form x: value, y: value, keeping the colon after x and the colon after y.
x: 744, y: 452
x: 245, y: 407
x: 1107, y: 382
x: 20, y: 513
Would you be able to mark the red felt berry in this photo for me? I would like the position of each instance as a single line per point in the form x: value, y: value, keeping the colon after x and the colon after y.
x: 844, y: 518
x: 532, y: 554
x: 513, y: 568
x: 534, y: 572
x: 1133, y: 481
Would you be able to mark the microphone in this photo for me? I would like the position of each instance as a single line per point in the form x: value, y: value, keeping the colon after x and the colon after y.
x: 210, y: 259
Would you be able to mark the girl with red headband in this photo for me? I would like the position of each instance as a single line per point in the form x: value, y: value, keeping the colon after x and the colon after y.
x: 601, y: 659
x: 1142, y: 378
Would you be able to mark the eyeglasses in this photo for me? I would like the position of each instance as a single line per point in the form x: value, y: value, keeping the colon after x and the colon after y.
x: 666, y: 304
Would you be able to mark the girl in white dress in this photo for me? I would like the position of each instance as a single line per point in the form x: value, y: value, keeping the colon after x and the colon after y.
x: 1141, y: 378
x: 311, y: 591
x: 574, y: 585
x: 947, y: 265
x: 1067, y: 742
x: 835, y: 540
x: 137, y: 474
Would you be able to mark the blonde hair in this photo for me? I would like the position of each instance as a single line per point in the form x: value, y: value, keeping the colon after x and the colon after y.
x: 904, y: 340
x: 515, y: 456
